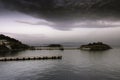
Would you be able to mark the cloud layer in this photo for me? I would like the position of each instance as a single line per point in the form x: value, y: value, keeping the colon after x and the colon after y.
x: 77, y: 24
x: 64, y: 14
x: 65, y: 9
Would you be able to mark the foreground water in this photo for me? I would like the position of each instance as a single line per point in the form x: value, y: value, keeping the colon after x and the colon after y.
x: 75, y: 65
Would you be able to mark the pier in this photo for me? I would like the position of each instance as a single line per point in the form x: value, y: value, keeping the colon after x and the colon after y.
x: 30, y: 58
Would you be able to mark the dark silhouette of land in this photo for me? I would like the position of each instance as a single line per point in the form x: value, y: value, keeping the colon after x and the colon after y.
x: 10, y: 44
x: 99, y: 46
x: 55, y: 46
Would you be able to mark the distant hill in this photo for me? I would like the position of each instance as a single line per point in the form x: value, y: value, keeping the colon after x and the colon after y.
x: 7, y: 43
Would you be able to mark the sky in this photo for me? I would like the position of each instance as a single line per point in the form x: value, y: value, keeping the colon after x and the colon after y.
x: 37, y: 30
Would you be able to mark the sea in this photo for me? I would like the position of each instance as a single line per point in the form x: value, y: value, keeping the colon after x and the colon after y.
x: 74, y: 65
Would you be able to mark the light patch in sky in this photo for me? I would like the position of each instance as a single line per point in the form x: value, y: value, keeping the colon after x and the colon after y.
x: 15, y: 24
x: 97, y: 24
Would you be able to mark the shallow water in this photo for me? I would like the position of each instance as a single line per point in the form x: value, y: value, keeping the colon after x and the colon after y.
x: 75, y: 65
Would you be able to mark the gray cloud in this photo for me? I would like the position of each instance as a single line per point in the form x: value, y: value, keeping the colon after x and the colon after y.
x: 98, y: 24
x: 77, y: 24
x: 36, y: 23
x: 63, y: 10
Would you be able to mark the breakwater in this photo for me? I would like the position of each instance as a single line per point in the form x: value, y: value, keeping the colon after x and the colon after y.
x: 30, y: 58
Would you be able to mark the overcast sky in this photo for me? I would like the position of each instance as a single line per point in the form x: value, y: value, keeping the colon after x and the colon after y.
x: 39, y: 30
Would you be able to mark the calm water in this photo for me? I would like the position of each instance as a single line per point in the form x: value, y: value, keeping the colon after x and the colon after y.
x: 75, y: 65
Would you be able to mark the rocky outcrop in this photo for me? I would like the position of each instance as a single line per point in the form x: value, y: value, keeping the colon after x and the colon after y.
x: 9, y: 44
x: 99, y: 46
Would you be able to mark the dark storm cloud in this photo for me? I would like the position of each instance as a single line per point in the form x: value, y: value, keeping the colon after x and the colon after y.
x: 2, y: 8
x: 60, y: 8
x: 67, y: 14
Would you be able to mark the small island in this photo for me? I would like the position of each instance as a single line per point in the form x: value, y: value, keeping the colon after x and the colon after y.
x: 55, y: 46
x: 11, y: 44
x: 99, y: 46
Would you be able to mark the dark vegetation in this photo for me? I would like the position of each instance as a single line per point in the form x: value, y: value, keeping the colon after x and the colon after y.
x: 12, y: 43
x: 53, y: 46
x: 3, y: 48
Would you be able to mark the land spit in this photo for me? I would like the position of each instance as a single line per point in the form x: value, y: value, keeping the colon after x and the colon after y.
x: 29, y: 58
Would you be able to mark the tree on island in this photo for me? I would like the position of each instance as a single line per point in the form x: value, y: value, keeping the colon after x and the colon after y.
x: 55, y: 45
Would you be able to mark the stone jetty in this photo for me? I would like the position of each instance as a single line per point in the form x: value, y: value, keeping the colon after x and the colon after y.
x: 30, y: 58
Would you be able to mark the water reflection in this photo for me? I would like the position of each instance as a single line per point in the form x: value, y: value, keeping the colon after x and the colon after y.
x: 27, y: 70
x: 31, y: 53
x: 9, y: 53
x: 75, y: 65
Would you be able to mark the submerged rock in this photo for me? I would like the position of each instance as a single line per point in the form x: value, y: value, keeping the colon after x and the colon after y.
x: 99, y: 46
